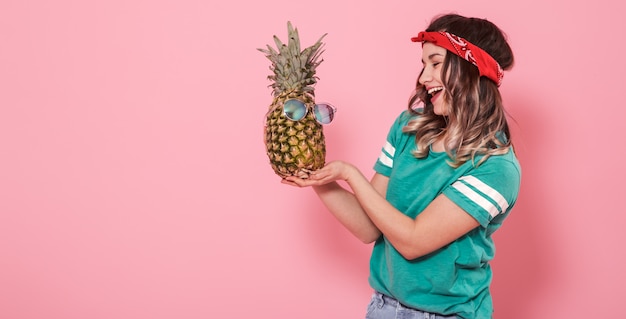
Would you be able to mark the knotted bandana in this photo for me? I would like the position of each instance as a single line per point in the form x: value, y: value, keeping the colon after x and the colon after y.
x: 486, y: 64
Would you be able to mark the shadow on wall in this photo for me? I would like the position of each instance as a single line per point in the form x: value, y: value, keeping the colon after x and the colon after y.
x: 522, y: 262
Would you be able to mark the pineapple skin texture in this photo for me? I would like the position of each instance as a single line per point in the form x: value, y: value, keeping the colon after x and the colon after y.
x: 294, y: 148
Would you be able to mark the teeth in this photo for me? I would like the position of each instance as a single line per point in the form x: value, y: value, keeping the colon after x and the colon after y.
x: 435, y: 89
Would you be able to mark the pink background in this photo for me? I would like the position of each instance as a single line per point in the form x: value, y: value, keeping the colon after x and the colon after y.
x: 134, y: 183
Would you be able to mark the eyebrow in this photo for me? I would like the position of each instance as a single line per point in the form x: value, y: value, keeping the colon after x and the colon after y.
x: 430, y: 57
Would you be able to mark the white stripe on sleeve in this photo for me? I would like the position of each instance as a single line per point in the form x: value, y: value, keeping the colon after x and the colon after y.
x: 476, y: 198
x: 385, y: 159
x: 389, y: 149
x: 487, y: 190
x: 386, y: 155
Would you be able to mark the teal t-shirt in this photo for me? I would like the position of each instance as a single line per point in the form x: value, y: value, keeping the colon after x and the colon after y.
x: 455, y: 279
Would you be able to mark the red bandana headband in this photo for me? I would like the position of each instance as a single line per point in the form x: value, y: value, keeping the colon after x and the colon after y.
x: 487, y: 66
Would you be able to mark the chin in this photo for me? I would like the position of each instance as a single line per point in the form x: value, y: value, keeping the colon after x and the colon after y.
x: 440, y: 112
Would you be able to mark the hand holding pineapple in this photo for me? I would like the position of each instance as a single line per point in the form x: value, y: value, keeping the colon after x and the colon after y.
x: 331, y: 172
x: 294, y: 137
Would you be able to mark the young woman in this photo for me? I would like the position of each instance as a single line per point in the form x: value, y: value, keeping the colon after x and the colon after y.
x: 445, y: 180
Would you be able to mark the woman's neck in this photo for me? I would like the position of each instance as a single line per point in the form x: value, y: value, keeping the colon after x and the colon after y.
x: 438, y: 145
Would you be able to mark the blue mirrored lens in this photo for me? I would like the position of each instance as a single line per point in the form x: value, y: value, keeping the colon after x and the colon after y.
x: 294, y: 110
x: 324, y: 113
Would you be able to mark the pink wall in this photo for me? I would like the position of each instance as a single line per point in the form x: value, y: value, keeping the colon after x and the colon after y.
x: 134, y: 184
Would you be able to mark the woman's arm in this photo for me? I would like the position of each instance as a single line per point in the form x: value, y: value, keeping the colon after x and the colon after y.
x: 438, y: 225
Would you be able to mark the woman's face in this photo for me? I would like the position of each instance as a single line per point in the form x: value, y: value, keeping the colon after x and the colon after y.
x: 432, y: 60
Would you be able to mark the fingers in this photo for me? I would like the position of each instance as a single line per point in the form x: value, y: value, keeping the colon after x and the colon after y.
x: 316, y: 178
x: 295, y: 181
x: 299, y: 182
x: 329, y: 173
x: 314, y: 175
x: 319, y: 174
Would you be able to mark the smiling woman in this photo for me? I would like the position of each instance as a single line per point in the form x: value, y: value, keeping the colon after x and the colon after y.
x: 445, y: 181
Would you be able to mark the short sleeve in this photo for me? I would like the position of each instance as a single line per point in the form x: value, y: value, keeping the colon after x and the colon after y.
x: 489, y: 190
x: 395, y: 138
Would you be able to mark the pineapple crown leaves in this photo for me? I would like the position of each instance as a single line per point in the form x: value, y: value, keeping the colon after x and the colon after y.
x: 294, y: 70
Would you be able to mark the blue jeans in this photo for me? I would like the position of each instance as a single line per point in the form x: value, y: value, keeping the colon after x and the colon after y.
x: 384, y: 307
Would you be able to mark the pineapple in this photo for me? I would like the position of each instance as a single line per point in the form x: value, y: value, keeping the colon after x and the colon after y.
x: 294, y: 148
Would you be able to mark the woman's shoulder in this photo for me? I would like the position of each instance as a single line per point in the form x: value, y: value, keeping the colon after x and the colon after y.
x: 404, y: 117
x: 501, y: 163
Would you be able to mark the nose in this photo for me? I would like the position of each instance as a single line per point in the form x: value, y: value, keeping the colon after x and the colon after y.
x: 425, y: 76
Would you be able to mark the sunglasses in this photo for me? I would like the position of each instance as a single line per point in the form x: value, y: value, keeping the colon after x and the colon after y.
x: 296, y: 110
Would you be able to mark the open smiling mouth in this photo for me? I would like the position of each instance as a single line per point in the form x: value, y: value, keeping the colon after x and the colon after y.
x: 433, y: 93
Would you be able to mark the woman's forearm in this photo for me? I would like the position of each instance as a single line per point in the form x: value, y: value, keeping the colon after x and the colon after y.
x: 347, y: 209
x: 397, y: 227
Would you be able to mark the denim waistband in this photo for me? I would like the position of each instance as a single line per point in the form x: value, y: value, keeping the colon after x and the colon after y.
x: 382, y: 299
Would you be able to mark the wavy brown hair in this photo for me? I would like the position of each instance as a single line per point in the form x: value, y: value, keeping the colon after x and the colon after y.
x: 476, y: 123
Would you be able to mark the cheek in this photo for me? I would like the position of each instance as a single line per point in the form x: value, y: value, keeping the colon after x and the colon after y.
x: 440, y: 75
x: 444, y: 106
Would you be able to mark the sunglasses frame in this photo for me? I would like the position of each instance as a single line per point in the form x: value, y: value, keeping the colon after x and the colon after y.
x: 332, y: 107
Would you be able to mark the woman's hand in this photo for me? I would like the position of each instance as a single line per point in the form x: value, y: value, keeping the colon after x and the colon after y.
x: 333, y: 171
